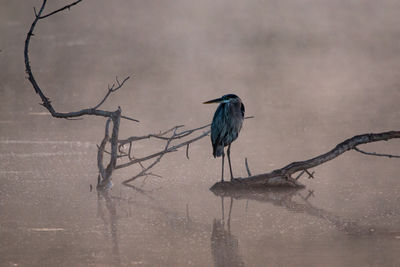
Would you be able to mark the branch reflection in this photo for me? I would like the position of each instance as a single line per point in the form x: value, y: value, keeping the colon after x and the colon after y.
x: 284, y: 197
x: 104, y: 199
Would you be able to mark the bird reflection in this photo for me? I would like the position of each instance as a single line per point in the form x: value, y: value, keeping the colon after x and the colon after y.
x: 224, y: 245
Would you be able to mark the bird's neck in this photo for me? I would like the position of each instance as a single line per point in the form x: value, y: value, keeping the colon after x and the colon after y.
x: 234, y: 107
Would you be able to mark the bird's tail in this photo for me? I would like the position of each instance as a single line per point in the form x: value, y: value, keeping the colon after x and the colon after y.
x: 218, y: 151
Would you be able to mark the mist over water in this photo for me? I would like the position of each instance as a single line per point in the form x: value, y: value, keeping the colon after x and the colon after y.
x: 313, y: 73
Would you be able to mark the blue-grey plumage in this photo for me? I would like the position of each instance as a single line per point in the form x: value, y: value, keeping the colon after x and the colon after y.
x: 226, y: 125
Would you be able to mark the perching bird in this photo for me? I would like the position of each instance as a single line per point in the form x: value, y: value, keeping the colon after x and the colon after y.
x: 226, y: 125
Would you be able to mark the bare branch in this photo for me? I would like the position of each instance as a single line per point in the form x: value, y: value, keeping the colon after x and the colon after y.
x: 137, y: 138
x: 161, y: 136
x: 170, y: 149
x: 101, y: 150
x: 109, y: 153
x: 375, y: 154
x: 114, y: 141
x: 58, y: 10
x: 27, y: 40
x: 111, y: 90
x: 45, y: 100
x: 129, y: 118
x: 106, y: 174
x: 144, y: 171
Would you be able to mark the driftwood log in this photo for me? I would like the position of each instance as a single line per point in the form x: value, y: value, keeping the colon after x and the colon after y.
x: 283, y: 177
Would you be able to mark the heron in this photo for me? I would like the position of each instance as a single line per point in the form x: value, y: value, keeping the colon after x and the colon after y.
x: 226, y: 125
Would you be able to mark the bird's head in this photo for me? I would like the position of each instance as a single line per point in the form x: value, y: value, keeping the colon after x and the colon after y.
x: 230, y: 98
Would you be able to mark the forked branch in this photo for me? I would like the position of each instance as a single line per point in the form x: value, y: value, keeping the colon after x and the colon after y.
x: 162, y: 136
x: 114, y: 116
x: 56, y: 11
x: 45, y: 100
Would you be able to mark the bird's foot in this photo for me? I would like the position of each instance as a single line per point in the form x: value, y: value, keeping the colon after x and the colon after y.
x: 287, y: 177
x: 235, y: 180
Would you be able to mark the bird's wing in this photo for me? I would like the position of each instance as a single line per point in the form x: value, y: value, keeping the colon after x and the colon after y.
x: 218, y: 128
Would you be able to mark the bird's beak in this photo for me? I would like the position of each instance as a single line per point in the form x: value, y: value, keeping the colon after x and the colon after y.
x: 217, y: 100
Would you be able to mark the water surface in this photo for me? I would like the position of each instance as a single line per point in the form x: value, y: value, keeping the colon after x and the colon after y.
x: 312, y: 73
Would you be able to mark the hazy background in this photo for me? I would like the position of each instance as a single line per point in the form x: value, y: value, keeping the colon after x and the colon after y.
x: 313, y: 73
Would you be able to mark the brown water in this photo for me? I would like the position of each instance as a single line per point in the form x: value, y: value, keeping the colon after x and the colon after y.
x: 313, y: 73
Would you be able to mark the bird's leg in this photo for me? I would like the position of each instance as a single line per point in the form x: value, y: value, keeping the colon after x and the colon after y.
x: 223, y: 157
x: 229, y: 160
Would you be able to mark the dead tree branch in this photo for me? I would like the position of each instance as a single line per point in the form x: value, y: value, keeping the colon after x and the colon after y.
x: 282, y: 177
x: 111, y: 90
x: 144, y: 170
x: 168, y: 150
x: 45, y: 100
x: 106, y: 173
x: 56, y: 11
x: 101, y: 150
x: 114, y: 116
x: 162, y: 136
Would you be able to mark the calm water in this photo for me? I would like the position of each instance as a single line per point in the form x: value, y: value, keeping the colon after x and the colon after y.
x: 312, y: 73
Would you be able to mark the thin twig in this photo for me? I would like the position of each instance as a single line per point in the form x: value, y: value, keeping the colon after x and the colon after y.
x: 375, y: 154
x: 187, y: 151
x: 58, y: 10
x: 247, y: 167
x: 143, y: 172
x: 111, y: 90
x: 169, y: 150
x: 109, y: 153
x: 129, y: 118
